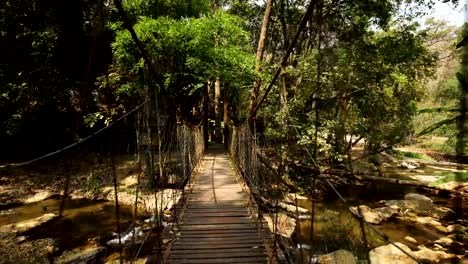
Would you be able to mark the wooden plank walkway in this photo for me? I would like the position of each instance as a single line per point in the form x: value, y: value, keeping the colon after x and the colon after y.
x: 216, y: 226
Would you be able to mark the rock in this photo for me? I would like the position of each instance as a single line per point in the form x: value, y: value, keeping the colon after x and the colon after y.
x: 286, y: 224
x: 81, y: 255
x: 410, y: 239
x: 417, y: 196
x: 439, y: 247
x: 443, y: 213
x: 456, y: 228
x: 292, y: 197
x: 39, y: 196
x: 374, y: 216
x: 420, y: 207
x: 386, y: 212
x: 27, y: 225
x: 408, y: 165
x: 429, y: 221
x: 368, y: 214
x: 449, y: 186
x: 340, y: 256
x: 390, y: 254
x: 444, y: 241
x: 431, y: 256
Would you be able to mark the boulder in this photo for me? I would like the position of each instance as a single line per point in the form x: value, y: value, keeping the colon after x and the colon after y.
x: 340, y: 256
x: 27, y: 225
x: 292, y: 198
x: 438, y: 247
x: 443, y: 213
x: 417, y: 196
x: 368, y: 214
x: 420, y: 207
x: 390, y: 254
x: 410, y: 239
x: 429, y: 221
x: 374, y: 216
x: 456, y: 228
x: 427, y: 255
x: 386, y: 212
x: 444, y: 241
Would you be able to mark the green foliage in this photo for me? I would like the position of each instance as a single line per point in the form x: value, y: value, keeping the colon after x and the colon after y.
x: 166, y: 8
x: 412, y: 155
x: 189, y: 52
x: 459, y: 177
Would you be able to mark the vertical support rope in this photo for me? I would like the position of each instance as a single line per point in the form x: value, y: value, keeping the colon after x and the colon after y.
x: 117, y: 213
x: 161, y: 173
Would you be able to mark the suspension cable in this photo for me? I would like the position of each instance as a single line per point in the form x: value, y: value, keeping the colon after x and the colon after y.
x: 79, y: 141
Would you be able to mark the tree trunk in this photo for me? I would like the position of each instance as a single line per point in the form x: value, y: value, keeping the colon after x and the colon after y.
x: 461, y: 122
x: 205, y: 114
x: 227, y: 114
x: 259, y: 57
x: 217, y: 107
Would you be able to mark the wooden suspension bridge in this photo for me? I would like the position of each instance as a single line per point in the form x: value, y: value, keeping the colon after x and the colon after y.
x: 217, y: 225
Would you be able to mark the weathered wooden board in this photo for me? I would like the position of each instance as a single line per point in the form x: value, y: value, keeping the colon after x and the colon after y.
x: 217, y: 226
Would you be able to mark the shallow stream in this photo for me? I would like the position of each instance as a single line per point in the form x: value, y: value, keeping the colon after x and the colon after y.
x: 83, y: 220
x: 335, y: 227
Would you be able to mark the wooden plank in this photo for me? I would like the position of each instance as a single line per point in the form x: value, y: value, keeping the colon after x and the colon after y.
x: 217, y: 255
x: 220, y: 227
x: 216, y: 246
x: 217, y: 226
x: 216, y: 235
x: 221, y: 260
x: 200, y: 251
x: 216, y: 214
x: 218, y: 221
x: 217, y: 205
x: 217, y: 210
x: 216, y: 241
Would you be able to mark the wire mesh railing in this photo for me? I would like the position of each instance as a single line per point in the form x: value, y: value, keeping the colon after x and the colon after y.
x: 114, y: 190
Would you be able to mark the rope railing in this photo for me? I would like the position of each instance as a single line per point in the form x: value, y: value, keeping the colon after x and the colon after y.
x: 157, y: 151
x: 81, y: 141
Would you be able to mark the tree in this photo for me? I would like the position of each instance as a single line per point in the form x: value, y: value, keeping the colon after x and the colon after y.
x: 258, y: 60
x: 186, y: 54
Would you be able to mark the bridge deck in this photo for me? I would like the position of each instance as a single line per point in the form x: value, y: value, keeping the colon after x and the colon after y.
x: 216, y: 226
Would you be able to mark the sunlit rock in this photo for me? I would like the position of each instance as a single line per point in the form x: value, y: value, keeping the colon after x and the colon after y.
x: 285, y: 225
x: 444, y: 241
x: 417, y: 196
x: 429, y: 221
x: 427, y: 255
x: 456, y: 228
x: 419, y: 207
x: 39, y: 196
x: 340, y: 256
x: 374, y: 216
x: 410, y: 239
x: 390, y: 254
x: 27, y: 225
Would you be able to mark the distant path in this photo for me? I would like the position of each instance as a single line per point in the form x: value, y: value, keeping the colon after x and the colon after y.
x: 216, y: 226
